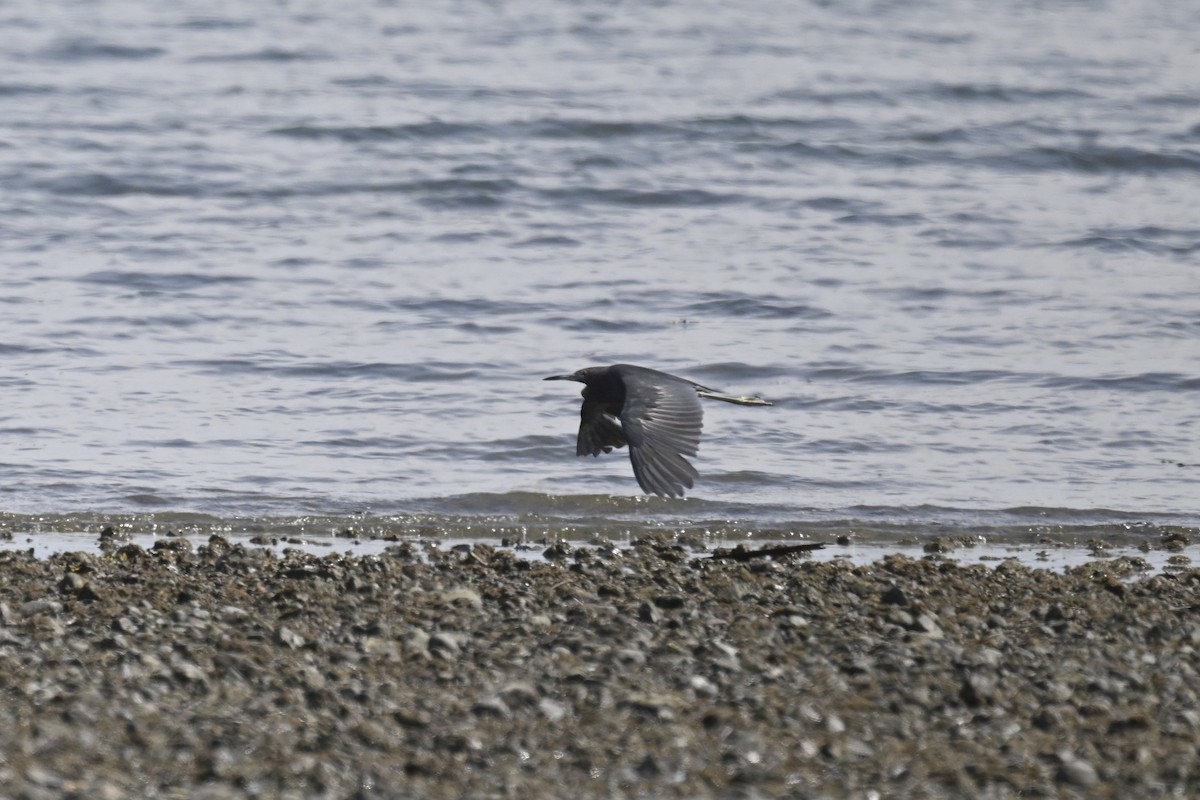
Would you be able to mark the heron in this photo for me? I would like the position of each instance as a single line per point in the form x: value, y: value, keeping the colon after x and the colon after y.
x: 657, y: 414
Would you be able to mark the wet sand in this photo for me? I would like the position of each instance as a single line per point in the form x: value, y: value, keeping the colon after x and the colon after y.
x: 231, y: 670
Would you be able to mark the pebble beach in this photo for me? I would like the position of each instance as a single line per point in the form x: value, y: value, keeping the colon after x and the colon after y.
x: 226, y: 670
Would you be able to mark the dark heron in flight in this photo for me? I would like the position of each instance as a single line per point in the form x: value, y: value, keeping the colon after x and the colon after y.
x: 656, y: 414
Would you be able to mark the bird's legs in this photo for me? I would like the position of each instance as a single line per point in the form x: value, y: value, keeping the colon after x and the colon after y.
x: 728, y: 398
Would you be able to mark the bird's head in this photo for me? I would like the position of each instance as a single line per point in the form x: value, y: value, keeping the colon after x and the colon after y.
x: 582, y: 376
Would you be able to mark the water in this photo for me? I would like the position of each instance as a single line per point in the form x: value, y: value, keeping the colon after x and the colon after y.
x: 309, y: 262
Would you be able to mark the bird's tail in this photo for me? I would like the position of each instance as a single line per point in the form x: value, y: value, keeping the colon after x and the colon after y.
x: 753, y: 400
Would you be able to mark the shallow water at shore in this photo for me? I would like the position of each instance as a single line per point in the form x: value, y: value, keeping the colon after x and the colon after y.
x: 1034, y: 540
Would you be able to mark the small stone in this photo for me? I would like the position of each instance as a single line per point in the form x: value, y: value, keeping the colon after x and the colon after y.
x: 1174, y: 540
x: 372, y: 734
x: 42, y: 777
x: 463, y: 596
x: 312, y: 679
x: 491, y: 707
x: 1076, y: 771
x: 927, y: 624
x: 190, y: 672
x: 1048, y: 719
x: 72, y: 582
x: 989, y: 657
x: 552, y: 709
x: 977, y: 689
x: 446, y: 643
x: 629, y: 656
x: 412, y: 718
x: 288, y: 637
x: 417, y: 642
x: 41, y: 606
x: 649, y: 768
x: 48, y: 624
x: 557, y: 551
x: 661, y: 705
x: 378, y: 646
x: 859, y: 749
x: 520, y: 693
x: 649, y: 613
x: 1059, y: 692
x: 233, y: 613
x: 669, y: 601
x: 106, y: 791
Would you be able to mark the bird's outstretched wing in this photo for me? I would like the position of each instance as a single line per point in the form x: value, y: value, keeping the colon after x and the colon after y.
x: 661, y: 420
x: 599, y: 431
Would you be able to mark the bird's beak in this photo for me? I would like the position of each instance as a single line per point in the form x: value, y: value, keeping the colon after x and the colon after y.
x: 560, y: 378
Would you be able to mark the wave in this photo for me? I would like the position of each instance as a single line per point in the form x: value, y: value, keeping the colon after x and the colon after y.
x: 88, y: 49
x: 530, y: 515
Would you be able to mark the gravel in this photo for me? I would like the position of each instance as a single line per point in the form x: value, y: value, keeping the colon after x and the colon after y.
x: 231, y: 670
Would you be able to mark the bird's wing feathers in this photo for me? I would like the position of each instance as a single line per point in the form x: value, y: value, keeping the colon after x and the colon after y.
x: 599, y: 431
x: 661, y: 420
x: 662, y: 473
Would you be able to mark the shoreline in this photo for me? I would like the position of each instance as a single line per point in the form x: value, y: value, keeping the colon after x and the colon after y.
x: 1173, y: 551
x: 227, y: 670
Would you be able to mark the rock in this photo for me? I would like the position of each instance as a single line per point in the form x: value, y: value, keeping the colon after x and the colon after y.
x: 72, y: 582
x: 378, y: 646
x: 288, y: 637
x: 416, y: 642
x: 552, y: 709
x: 463, y: 595
x: 628, y: 656
x: 41, y: 606
x: 669, y: 601
x: 926, y: 623
x: 649, y: 613
x: 491, y: 707
x: 702, y: 686
x: 520, y: 694
x: 978, y: 688
x: 446, y: 644
x: 372, y: 734
x: 1076, y: 771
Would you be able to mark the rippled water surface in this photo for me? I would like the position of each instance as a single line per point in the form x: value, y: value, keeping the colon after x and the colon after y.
x: 296, y: 259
